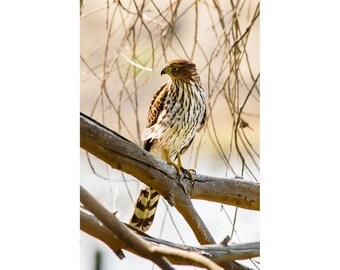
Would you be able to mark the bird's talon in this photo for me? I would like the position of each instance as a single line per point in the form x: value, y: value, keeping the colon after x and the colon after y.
x: 190, y: 172
x: 179, y: 166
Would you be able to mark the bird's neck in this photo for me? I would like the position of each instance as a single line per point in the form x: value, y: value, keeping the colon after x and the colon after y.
x: 193, y: 81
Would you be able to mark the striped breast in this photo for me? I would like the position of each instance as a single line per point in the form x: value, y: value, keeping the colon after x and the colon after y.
x: 181, y: 118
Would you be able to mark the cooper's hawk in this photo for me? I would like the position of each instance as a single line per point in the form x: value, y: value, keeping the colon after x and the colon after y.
x: 177, y: 112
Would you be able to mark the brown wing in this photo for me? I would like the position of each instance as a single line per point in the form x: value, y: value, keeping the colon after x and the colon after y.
x: 155, y: 109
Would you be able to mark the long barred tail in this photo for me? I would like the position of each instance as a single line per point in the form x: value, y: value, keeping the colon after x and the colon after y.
x: 145, y: 209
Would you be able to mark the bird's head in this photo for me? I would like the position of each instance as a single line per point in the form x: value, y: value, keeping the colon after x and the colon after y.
x: 180, y: 69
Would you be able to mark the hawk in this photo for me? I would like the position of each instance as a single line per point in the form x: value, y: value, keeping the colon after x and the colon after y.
x: 176, y: 114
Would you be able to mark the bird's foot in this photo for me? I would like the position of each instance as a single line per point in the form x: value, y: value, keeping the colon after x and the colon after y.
x: 189, y: 172
x: 179, y: 167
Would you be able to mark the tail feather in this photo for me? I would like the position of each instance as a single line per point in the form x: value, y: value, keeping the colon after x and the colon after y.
x: 145, y: 209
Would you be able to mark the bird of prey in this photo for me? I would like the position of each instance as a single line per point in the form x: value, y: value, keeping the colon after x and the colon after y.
x: 176, y: 114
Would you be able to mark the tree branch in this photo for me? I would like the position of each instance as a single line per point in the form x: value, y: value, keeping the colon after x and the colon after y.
x: 121, y: 231
x: 175, y: 253
x: 123, y: 238
x: 126, y: 156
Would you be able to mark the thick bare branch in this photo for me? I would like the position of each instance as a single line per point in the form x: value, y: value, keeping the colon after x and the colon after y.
x: 121, y: 231
x: 123, y: 238
x: 93, y: 226
x: 175, y: 253
x: 126, y: 156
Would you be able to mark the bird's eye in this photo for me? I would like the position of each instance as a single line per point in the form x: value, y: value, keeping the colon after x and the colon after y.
x: 175, y: 68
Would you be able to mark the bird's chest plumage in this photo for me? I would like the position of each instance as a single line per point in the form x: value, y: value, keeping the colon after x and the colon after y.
x: 181, y: 118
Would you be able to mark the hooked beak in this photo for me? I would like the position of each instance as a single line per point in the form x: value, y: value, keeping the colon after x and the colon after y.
x: 163, y: 71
